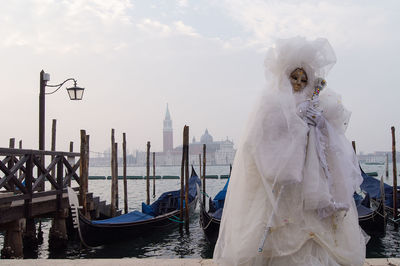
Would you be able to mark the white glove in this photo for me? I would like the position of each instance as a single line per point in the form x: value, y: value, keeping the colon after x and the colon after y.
x: 314, y: 113
x: 302, y: 109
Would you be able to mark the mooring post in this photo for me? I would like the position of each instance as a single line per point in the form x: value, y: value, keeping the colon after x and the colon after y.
x: 387, y: 166
x: 154, y: 175
x: 124, y: 172
x: 182, y: 180
x: 71, y: 159
x: 53, y: 145
x: 114, y: 177
x: 29, y: 235
x: 116, y: 174
x: 148, y: 174
x: 12, y: 143
x: 200, y: 164
x: 204, y: 175
x: 84, y: 172
x: 186, y: 148
x: 394, y: 161
x: 12, y: 246
x: 58, y: 236
x: 58, y: 232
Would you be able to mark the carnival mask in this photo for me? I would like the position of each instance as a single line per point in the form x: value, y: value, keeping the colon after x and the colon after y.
x: 298, y: 79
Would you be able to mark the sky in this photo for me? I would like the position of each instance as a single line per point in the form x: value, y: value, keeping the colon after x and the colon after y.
x: 202, y: 57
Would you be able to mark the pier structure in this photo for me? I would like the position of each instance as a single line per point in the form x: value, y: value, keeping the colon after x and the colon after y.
x: 30, y: 190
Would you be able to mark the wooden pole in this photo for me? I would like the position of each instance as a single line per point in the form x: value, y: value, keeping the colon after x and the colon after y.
x: 154, y: 175
x: 186, y: 144
x: 124, y: 173
x: 394, y: 175
x: 12, y: 143
x: 53, y: 146
x: 20, y: 157
x: 353, y: 143
x: 71, y: 159
x: 182, y: 178
x: 114, y: 177
x: 29, y: 235
x: 86, y: 174
x: 200, y: 164
x: 83, y: 169
x: 387, y: 165
x: 148, y: 174
x: 204, y: 174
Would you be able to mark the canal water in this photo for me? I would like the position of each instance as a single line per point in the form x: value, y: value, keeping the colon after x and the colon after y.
x: 173, y: 244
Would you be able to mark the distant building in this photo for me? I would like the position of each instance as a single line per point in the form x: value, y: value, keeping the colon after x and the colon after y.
x: 168, y: 138
x: 377, y: 157
x: 217, y: 152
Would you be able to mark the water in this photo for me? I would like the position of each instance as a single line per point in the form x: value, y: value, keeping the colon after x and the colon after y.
x: 172, y: 244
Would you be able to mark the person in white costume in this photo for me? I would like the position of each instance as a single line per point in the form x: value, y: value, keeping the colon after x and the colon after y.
x: 290, y: 197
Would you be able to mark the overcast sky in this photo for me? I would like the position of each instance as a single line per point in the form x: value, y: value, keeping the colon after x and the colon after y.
x: 202, y: 57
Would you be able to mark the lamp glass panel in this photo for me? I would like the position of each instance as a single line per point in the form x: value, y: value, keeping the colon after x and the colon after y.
x: 71, y: 93
x: 79, y: 93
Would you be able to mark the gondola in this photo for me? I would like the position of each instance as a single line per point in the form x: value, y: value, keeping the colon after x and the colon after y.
x: 210, y: 220
x: 372, y: 216
x: 373, y: 222
x: 162, y: 214
x: 372, y: 186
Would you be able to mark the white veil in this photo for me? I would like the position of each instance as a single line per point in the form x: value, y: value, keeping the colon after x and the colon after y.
x: 276, y: 124
x: 278, y: 180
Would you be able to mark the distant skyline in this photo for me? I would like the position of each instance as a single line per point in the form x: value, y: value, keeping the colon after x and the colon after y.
x: 204, y: 58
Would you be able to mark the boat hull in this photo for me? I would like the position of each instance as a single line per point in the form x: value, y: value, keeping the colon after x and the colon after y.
x: 210, y: 225
x: 95, y: 235
x: 374, y: 223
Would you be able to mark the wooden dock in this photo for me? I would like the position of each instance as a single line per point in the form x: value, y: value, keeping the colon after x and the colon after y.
x: 30, y: 190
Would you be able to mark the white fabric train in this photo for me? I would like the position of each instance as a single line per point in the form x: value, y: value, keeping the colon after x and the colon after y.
x: 278, y: 180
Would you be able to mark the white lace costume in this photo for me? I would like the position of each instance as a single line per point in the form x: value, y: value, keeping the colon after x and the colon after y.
x: 291, y: 179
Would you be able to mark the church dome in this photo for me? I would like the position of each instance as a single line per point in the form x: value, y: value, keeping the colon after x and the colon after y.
x: 206, y: 138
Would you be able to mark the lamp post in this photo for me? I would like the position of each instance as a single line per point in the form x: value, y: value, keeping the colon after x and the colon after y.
x: 75, y: 93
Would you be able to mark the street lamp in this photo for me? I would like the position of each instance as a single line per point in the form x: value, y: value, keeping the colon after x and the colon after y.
x: 75, y: 93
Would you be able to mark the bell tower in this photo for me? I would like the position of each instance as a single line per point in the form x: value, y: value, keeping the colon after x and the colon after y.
x: 168, y: 141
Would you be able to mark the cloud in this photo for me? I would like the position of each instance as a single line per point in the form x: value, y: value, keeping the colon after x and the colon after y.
x: 345, y: 22
x: 154, y: 27
x: 185, y: 29
x: 63, y: 26
x: 182, y: 3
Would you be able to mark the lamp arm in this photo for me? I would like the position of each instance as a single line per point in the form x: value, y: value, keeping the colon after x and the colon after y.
x: 59, y: 85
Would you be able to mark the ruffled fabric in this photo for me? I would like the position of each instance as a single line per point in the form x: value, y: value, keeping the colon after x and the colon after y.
x: 291, y: 185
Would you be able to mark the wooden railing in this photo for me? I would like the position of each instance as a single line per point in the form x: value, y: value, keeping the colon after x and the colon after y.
x: 23, y: 173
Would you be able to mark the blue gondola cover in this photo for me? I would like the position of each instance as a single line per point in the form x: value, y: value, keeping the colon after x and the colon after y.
x: 372, y: 187
x: 134, y: 216
x: 219, y: 201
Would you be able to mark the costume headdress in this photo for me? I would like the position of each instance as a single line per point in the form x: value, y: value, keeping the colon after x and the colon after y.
x: 315, y: 57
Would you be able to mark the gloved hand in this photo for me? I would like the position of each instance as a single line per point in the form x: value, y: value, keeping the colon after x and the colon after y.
x: 314, y: 113
x: 302, y: 109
